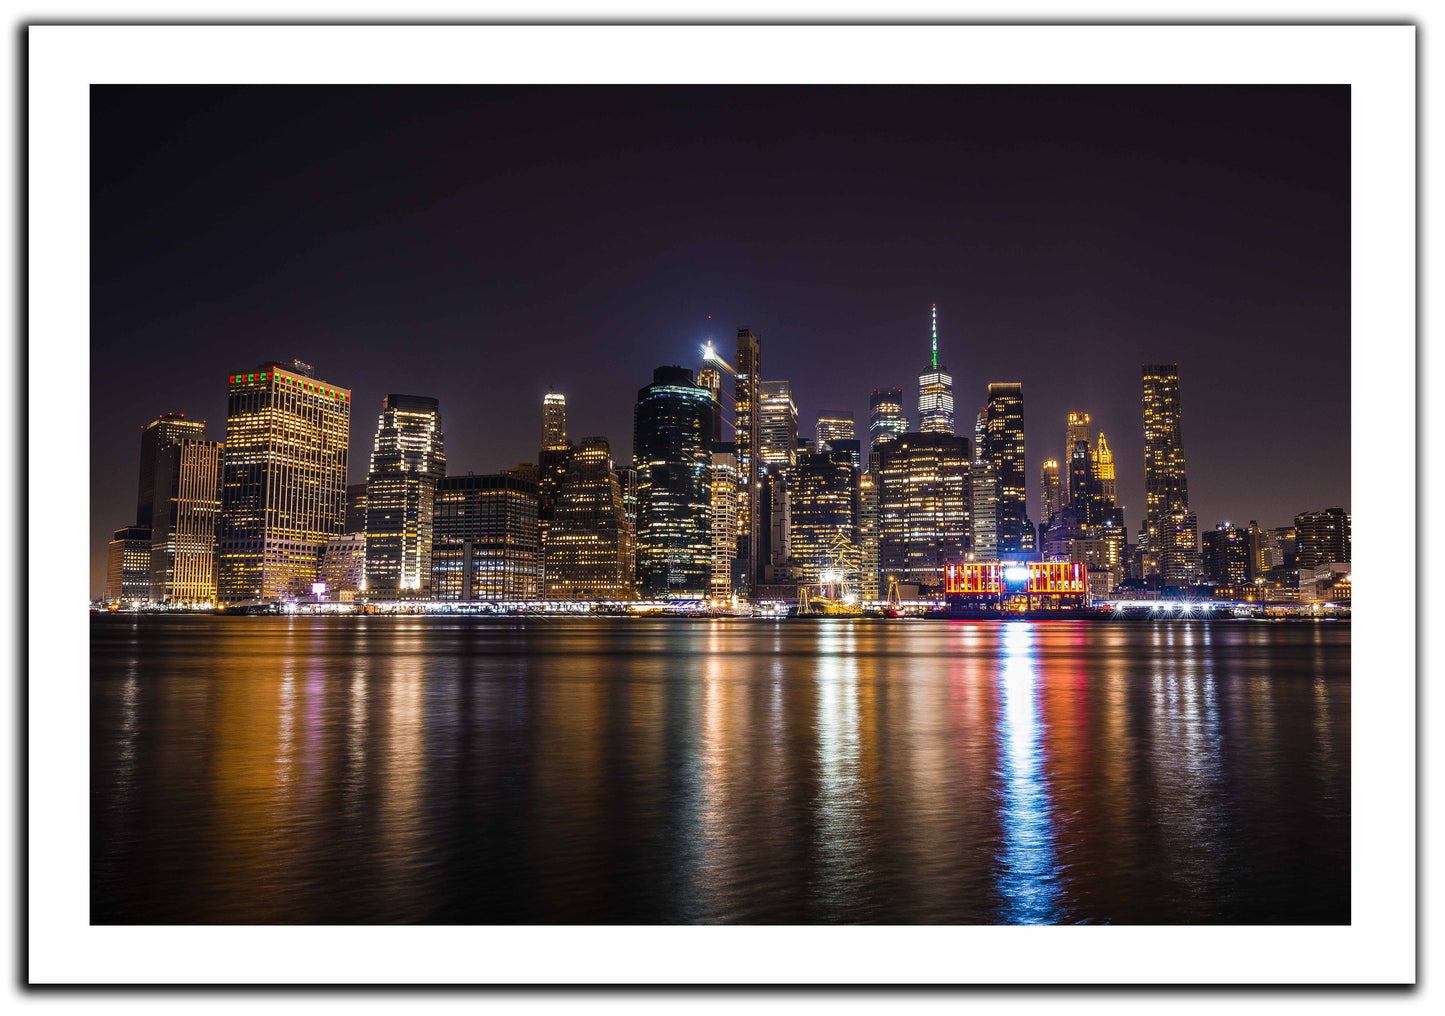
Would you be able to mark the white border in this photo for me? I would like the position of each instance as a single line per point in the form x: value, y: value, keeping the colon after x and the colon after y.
x: 1379, y: 64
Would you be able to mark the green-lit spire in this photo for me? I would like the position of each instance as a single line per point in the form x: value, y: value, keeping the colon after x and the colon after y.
x: 935, y: 336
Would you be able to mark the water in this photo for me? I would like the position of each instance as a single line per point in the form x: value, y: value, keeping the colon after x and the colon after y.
x: 440, y: 770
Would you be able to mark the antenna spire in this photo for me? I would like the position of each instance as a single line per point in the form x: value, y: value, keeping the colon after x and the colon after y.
x: 935, y: 336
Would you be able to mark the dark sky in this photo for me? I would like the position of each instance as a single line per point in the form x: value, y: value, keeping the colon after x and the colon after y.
x: 480, y: 243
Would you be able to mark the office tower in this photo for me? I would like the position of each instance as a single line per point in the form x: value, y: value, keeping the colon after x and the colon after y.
x: 1179, y: 538
x: 935, y: 392
x: 674, y: 535
x: 485, y: 545
x: 127, y: 566
x: 162, y: 432
x: 924, y: 502
x: 834, y: 424
x: 776, y: 505
x: 1322, y: 537
x: 355, y: 508
x: 824, y: 498
x: 980, y: 436
x: 1075, y: 431
x: 554, y: 420
x: 778, y: 426
x: 983, y: 497
x: 183, y: 531
x: 747, y: 437
x: 407, y: 459
x: 589, y: 551
x: 1226, y: 557
x: 723, y: 497
x: 1052, y: 496
x: 283, y: 481
x: 868, y: 493
x: 1165, y: 488
x: 851, y: 447
x: 1005, y: 449
x: 343, y: 566
x: 524, y: 471
x: 886, y: 419
x: 1081, y: 483
x: 485, y: 542
x: 1105, y: 486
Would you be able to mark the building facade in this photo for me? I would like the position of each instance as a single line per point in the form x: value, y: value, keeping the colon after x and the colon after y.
x: 407, y: 458
x: 283, y: 481
x: 834, y: 425
x: 925, y: 508
x: 886, y: 419
x: 590, y: 553
x: 343, y: 566
x: 127, y: 571
x: 187, y: 505
x: 1227, y: 559
x: 1322, y: 537
x: 723, y: 482
x: 485, y: 543
x: 1004, y: 438
x: 1051, y: 494
x: 670, y: 448
x: 824, y: 498
x: 778, y: 426
x: 1167, y: 519
x: 868, y: 494
x: 747, y: 437
x: 984, y: 510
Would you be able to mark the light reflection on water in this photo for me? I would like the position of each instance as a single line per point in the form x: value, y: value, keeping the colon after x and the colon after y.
x: 376, y: 770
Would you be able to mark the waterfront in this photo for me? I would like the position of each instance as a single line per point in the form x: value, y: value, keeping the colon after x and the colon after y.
x: 443, y: 770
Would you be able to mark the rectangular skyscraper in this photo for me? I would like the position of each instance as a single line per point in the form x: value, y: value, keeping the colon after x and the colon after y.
x: 407, y: 459
x: 1170, y: 535
x: 183, y: 536
x: 886, y: 419
x: 283, y: 481
x: 1005, y: 437
x: 777, y: 426
x: 162, y: 432
x: 485, y: 544
x: 747, y: 439
x: 834, y: 425
x: 671, y: 423
x: 925, y: 507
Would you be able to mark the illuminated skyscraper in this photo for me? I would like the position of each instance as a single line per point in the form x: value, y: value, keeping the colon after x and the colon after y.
x: 407, y: 459
x: 711, y: 379
x: 485, y: 544
x: 980, y: 435
x: 1174, y: 552
x: 1104, y: 483
x: 984, y: 509
x: 935, y: 392
x: 747, y: 438
x: 886, y: 419
x: 868, y: 505
x: 1226, y: 558
x: 671, y: 421
x: 283, y: 481
x: 355, y: 508
x: 1005, y: 449
x: 128, y: 565
x: 589, y: 550
x: 924, y: 507
x: 1052, y: 499
x: 824, y: 498
x: 834, y: 425
x: 778, y: 425
x: 723, y: 482
x: 162, y: 432
x: 183, y: 532
x: 1322, y: 537
x: 1077, y: 430
x: 554, y: 420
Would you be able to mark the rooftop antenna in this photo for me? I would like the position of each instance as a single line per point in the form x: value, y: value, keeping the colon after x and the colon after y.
x: 935, y: 336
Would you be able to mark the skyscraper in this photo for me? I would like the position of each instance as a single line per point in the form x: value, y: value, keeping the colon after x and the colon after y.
x: 1226, y: 558
x: 777, y: 426
x: 1076, y: 430
x: 886, y: 419
x: 825, y: 516
x: 833, y: 425
x: 1052, y: 496
x: 128, y: 565
x: 935, y: 392
x: 183, y: 532
x: 747, y: 438
x: 1005, y: 449
x: 1104, y: 483
x: 283, y: 481
x: 671, y: 421
x: 355, y: 508
x: 868, y: 505
x: 1322, y: 537
x: 162, y: 432
x: 723, y: 497
x: 924, y: 507
x: 485, y: 544
x: 711, y: 379
x: 589, y: 550
x: 1166, y: 537
x: 984, y: 510
x: 554, y: 420
x: 407, y: 459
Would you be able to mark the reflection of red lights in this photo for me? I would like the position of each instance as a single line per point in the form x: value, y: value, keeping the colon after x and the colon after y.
x: 1067, y: 578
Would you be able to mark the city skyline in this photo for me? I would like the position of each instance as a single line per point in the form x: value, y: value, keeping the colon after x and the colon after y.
x: 1246, y: 385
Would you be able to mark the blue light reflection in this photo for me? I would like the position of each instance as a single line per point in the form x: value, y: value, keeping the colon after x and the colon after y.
x: 1029, y: 874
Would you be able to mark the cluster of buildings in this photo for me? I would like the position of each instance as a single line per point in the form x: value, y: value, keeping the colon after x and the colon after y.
x: 720, y: 498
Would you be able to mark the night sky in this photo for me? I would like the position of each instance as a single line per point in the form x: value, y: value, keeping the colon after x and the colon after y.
x: 479, y: 244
